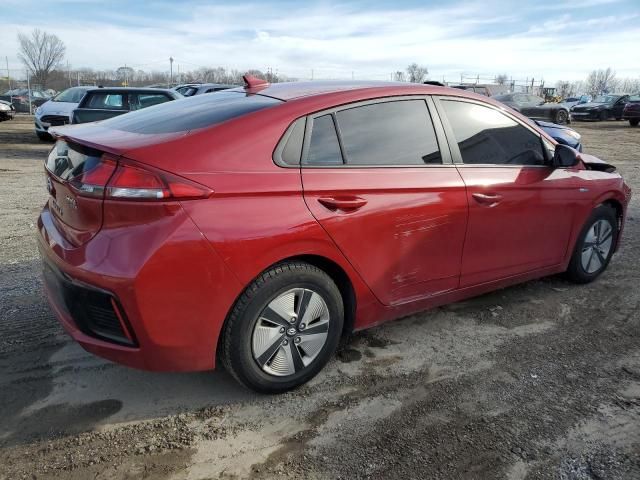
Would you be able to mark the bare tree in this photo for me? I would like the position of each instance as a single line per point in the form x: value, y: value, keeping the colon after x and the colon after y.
x: 501, y: 79
x: 601, y: 81
x: 399, y: 76
x: 41, y: 52
x: 564, y: 89
x: 416, y: 73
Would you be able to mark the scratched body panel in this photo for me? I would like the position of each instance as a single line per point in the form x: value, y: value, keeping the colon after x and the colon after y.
x: 406, y: 241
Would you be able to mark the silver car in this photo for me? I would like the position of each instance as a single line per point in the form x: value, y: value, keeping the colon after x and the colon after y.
x: 57, y: 111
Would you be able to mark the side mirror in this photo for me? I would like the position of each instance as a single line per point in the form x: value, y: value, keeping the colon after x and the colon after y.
x: 564, y: 156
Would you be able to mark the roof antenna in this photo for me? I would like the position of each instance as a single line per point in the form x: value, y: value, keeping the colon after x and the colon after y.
x: 253, y: 82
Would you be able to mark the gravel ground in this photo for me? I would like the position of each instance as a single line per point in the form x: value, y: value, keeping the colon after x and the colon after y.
x: 541, y: 380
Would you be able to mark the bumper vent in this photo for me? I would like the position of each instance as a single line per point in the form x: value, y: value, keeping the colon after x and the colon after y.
x: 96, y: 313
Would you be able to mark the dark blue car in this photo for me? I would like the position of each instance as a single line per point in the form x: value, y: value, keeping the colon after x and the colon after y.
x: 561, y: 134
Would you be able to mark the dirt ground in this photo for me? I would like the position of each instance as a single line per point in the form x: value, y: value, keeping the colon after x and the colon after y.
x: 541, y: 380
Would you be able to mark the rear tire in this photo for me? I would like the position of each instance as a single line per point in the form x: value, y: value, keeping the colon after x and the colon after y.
x: 271, y: 341
x: 595, y: 245
x: 634, y: 122
x: 562, y: 117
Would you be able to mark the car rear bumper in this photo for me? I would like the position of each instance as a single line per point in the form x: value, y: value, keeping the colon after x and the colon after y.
x: 154, y: 305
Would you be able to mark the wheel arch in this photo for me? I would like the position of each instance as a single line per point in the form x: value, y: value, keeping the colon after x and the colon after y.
x: 331, y: 268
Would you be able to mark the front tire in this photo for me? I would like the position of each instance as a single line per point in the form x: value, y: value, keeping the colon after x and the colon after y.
x: 604, y: 115
x: 283, y: 329
x: 595, y: 245
x: 45, y: 137
x: 634, y: 122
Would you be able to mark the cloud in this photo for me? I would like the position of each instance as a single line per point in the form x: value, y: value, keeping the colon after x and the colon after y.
x: 336, y: 39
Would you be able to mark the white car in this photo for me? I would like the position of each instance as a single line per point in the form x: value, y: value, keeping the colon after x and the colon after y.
x: 57, y: 111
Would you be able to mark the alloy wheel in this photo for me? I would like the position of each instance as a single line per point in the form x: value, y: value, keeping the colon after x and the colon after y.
x: 597, y: 245
x: 290, y: 332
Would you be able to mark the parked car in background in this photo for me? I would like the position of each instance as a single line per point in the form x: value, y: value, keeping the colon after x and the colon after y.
x: 561, y: 134
x: 571, y: 101
x: 102, y: 103
x: 631, y: 110
x: 535, y: 107
x: 7, y: 111
x: 241, y: 228
x: 189, y: 90
x: 57, y: 111
x: 603, y: 107
x: 19, y: 98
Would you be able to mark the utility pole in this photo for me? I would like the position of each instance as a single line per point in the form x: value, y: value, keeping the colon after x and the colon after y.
x: 312, y: 74
x: 68, y: 73
x: 9, y: 79
x: 78, y: 76
x: 170, y: 71
x: 29, y: 90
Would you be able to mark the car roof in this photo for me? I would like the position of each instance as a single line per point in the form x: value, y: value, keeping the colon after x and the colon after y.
x: 293, y: 90
x: 130, y: 89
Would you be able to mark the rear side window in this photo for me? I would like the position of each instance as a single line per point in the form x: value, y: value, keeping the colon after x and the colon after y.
x: 145, y: 100
x: 107, y: 101
x: 389, y: 133
x: 324, y: 148
x: 191, y: 113
x: 487, y: 136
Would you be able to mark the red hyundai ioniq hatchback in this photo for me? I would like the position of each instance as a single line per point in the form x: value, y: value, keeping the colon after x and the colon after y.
x: 258, y: 225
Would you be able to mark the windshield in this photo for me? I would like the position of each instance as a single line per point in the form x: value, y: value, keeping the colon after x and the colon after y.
x: 71, y: 95
x: 605, y: 99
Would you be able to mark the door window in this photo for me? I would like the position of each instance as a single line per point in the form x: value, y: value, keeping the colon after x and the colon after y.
x: 107, y: 101
x: 487, y: 136
x: 389, y: 133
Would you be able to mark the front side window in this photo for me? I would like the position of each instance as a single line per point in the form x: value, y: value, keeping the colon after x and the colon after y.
x: 389, y: 133
x: 488, y: 137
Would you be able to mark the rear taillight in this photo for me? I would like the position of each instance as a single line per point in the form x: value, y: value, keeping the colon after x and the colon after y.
x: 92, y: 181
x: 140, y: 182
x: 117, y: 179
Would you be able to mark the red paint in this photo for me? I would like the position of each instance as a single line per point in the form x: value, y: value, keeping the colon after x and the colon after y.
x: 407, y: 238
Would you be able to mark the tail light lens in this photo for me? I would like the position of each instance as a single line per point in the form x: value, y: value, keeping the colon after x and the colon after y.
x: 117, y: 179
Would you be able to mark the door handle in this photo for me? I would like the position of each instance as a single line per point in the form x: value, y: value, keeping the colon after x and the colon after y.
x: 343, y: 203
x: 488, y: 199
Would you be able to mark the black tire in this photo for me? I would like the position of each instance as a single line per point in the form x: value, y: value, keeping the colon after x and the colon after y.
x: 45, y: 137
x: 236, y: 350
x: 562, y: 117
x: 604, y: 115
x: 618, y: 118
x: 634, y: 122
x: 576, y: 271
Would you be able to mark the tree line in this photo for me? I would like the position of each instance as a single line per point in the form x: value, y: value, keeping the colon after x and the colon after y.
x: 42, y: 54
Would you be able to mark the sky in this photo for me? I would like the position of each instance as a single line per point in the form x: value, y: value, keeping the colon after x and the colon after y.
x: 544, y: 39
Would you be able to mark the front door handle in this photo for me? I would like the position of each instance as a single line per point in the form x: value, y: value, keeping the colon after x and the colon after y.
x: 347, y: 204
x: 487, y: 199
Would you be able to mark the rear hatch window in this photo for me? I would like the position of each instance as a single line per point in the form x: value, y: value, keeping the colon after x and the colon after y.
x: 191, y: 113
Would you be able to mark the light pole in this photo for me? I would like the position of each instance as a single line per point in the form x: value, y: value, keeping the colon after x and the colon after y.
x: 170, y: 71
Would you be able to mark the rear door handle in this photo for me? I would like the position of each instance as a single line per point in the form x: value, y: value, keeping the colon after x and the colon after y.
x: 487, y: 199
x: 347, y: 204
